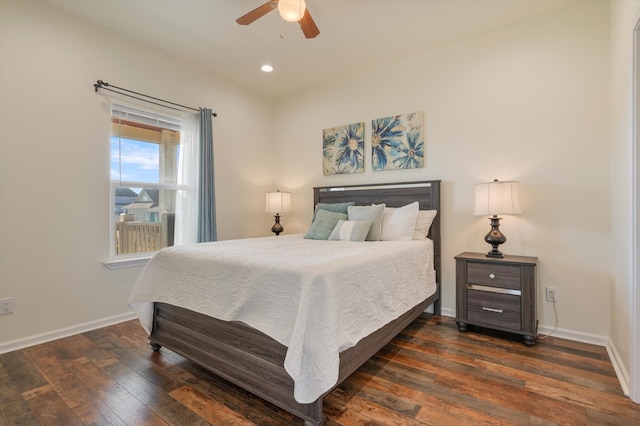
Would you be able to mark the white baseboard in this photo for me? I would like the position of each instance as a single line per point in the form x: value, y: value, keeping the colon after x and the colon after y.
x: 445, y: 312
x: 14, y: 345
x: 618, y: 366
x: 577, y: 336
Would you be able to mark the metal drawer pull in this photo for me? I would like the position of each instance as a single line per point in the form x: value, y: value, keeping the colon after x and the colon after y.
x: 492, y: 276
x: 498, y: 311
x: 495, y: 289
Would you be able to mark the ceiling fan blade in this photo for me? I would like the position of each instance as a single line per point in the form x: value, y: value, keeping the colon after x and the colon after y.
x: 258, y: 12
x: 308, y: 26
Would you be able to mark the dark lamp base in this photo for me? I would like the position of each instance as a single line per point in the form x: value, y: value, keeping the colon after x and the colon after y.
x: 495, y: 253
x: 495, y: 237
x: 277, y: 228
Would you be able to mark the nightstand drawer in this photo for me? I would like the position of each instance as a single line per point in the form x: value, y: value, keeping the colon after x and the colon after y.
x: 502, y: 310
x: 493, y: 275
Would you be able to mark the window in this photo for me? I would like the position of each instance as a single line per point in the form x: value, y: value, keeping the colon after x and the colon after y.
x: 145, y: 147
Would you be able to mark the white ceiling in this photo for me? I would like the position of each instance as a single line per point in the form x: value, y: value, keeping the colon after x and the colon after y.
x: 354, y: 34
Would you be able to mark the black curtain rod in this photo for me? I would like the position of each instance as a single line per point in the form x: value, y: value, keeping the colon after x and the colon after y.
x: 145, y: 98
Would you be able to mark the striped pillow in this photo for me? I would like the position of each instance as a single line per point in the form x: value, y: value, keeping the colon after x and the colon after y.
x: 350, y: 230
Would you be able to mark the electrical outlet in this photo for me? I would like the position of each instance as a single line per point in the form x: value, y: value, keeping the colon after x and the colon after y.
x: 552, y: 294
x: 6, y: 305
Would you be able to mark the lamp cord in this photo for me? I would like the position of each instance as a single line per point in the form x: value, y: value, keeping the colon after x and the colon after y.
x: 555, y: 327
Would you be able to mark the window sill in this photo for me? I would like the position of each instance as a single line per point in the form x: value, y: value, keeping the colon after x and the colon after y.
x: 127, y: 262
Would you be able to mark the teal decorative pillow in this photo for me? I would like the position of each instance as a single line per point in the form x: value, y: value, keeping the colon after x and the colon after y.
x: 323, y: 224
x: 371, y: 213
x: 332, y: 207
x: 350, y: 230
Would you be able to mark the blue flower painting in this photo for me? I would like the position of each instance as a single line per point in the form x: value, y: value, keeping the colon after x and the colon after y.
x: 343, y: 149
x: 397, y: 142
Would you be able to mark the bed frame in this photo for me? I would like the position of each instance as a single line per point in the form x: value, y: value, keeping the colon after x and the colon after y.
x: 254, y: 361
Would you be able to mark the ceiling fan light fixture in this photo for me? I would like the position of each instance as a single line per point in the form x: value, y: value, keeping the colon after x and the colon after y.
x: 292, y: 10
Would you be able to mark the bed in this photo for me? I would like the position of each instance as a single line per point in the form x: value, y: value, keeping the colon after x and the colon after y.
x: 296, y: 351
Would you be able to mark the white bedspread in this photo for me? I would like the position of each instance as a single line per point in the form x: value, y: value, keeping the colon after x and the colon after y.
x: 317, y: 298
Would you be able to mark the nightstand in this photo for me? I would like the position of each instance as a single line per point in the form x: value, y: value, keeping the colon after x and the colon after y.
x: 497, y: 293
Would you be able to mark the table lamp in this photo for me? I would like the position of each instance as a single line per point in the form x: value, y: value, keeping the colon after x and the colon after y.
x: 494, y: 198
x: 277, y: 203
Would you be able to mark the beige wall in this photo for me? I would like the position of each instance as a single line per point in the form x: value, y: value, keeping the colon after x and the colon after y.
x: 528, y: 102
x: 54, y: 162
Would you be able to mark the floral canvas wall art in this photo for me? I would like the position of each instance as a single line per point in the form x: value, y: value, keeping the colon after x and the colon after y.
x: 343, y: 149
x: 397, y: 142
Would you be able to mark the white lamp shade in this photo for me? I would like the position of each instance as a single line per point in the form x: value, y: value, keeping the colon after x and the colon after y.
x: 278, y: 202
x: 292, y: 10
x: 493, y: 198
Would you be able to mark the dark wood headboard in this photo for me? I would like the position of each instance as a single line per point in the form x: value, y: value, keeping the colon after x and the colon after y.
x: 426, y: 193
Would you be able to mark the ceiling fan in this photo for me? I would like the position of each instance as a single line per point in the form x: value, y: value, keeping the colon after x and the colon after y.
x: 290, y: 10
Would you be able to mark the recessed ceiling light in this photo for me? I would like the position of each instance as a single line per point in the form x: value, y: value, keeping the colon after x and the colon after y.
x: 266, y: 68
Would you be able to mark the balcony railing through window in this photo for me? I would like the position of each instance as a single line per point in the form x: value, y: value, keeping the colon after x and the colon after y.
x: 144, y: 237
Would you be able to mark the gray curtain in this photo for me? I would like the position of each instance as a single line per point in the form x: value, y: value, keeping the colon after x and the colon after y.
x: 206, y: 196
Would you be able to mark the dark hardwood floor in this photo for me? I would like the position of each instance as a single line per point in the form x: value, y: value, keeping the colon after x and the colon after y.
x: 430, y: 374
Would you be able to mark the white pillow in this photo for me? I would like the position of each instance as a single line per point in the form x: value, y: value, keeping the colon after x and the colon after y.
x: 398, y: 223
x: 373, y: 213
x: 351, y: 230
x: 423, y: 224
